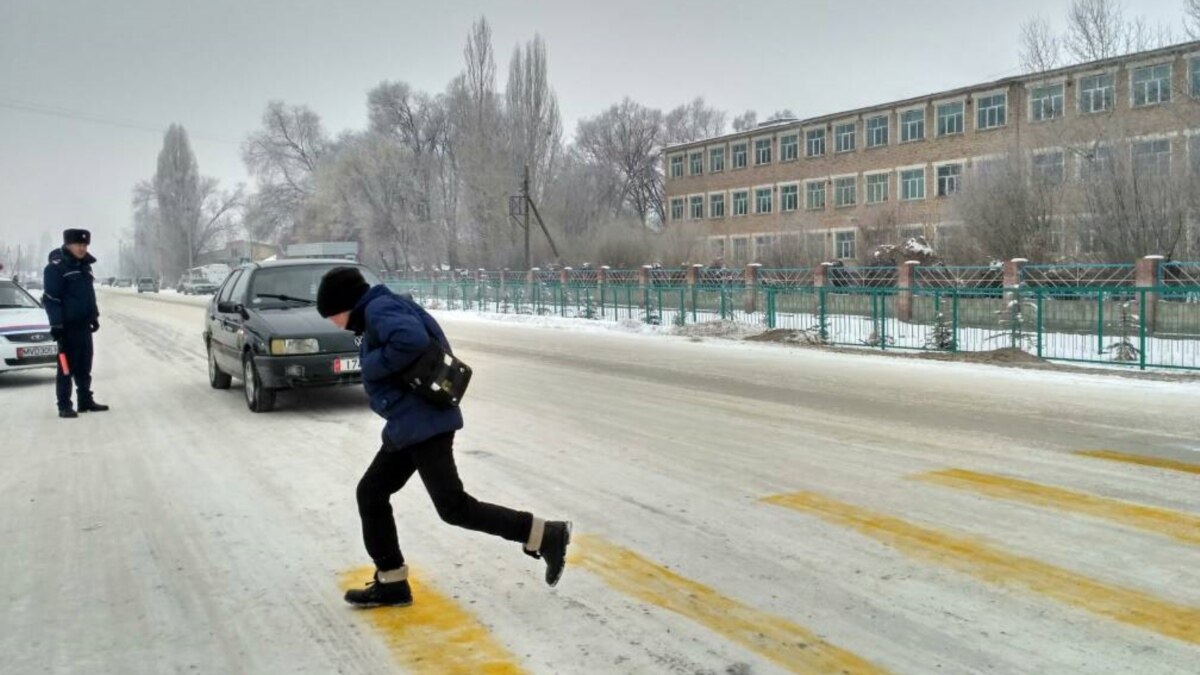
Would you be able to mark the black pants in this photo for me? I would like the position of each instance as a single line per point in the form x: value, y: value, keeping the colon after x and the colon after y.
x: 434, y: 461
x: 76, y: 344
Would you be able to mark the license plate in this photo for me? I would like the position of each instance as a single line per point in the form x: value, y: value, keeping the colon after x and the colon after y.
x: 346, y: 366
x: 33, y: 352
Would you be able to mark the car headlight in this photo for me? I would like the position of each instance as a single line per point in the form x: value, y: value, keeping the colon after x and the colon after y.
x: 282, y: 346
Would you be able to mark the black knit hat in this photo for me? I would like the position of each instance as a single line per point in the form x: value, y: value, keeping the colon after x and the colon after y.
x: 340, y: 290
x: 71, y: 236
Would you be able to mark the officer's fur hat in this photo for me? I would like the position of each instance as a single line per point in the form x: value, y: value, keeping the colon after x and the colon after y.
x: 72, y: 236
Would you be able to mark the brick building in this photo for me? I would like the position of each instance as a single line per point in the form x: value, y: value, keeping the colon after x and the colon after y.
x: 814, y: 187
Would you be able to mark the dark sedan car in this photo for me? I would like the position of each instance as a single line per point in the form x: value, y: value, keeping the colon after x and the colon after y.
x: 262, y: 327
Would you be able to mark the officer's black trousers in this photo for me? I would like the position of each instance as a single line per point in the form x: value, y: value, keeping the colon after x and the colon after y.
x: 76, y: 344
x: 434, y: 461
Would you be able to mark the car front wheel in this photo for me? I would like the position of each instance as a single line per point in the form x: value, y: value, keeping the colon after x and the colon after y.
x: 258, y: 397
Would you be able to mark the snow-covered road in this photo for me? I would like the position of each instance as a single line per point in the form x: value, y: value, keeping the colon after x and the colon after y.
x: 738, y: 509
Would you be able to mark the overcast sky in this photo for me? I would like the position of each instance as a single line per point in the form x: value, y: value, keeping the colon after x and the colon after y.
x: 104, y: 78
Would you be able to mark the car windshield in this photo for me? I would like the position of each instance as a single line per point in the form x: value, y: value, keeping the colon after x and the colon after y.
x: 13, y: 296
x: 297, y: 283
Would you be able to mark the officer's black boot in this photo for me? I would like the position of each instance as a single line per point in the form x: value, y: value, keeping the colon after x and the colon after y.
x: 551, y: 545
x: 389, y: 588
x: 67, y: 413
x: 92, y: 406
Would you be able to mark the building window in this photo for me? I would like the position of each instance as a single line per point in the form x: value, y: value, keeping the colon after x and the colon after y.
x: 716, y: 206
x: 877, y: 131
x: 677, y: 208
x: 877, y: 188
x: 1152, y: 158
x: 1046, y: 103
x: 844, y: 136
x: 950, y: 118
x: 912, y: 184
x: 789, y: 197
x: 814, y: 143
x: 677, y: 166
x: 948, y: 176
x: 1095, y: 93
x: 696, y: 205
x: 739, y: 156
x: 763, y: 245
x: 741, y: 249
x: 912, y: 125
x: 789, y: 148
x: 1194, y: 75
x: 844, y: 241
x: 762, y: 151
x: 696, y: 164
x: 1050, y: 166
x: 741, y: 203
x: 717, y: 247
x: 845, y: 191
x: 716, y: 160
x: 992, y: 111
x: 1097, y: 163
x: 1151, y: 85
x: 814, y: 195
x: 762, y: 200
x: 912, y: 232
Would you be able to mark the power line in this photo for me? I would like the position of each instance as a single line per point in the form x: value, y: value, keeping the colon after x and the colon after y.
x: 52, y: 111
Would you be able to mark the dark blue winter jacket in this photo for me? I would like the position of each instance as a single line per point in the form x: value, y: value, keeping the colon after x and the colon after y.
x: 67, y: 291
x: 396, y: 331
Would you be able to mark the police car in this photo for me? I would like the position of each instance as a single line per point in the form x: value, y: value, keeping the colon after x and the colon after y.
x: 25, y: 340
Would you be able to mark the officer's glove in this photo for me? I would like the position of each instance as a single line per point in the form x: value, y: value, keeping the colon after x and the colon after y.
x: 95, y: 325
x: 56, y: 333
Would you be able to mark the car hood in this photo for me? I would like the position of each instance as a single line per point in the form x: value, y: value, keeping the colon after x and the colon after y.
x: 24, y: 319
x: 305, y: 322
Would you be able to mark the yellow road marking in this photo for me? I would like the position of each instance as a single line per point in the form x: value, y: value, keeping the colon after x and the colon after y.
x: 1173, y: 465
x: 1175, y: 524
x: 787, y: 644
x: 434, y: 634
x: 1126, y: 605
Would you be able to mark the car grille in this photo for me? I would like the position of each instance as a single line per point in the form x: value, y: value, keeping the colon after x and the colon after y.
x: 31, y: 361
x: 26, y: 338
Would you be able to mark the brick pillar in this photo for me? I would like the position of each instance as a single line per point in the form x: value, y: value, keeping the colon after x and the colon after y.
x: 602, y: 275
x: 751, y: 303
x: 1147, y: 272
x: 906, y: 280
x: 694, y: 275
x: 820, y: 280
x: 644, y: 283
x: 1012, y: 272
x: 479, y: 275
x: 531, y: 276
x: 564, y: 276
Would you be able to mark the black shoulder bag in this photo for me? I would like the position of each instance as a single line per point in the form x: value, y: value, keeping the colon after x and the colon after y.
x: 436, y: 375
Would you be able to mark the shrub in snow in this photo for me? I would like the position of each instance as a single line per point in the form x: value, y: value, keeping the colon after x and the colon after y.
x: 1127, y: 324
x: 942, y: 336
x: 1017, y: 311
x: 873, y: 340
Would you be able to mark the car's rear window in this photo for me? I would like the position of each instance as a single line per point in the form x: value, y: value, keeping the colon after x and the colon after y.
x: 14, y: 297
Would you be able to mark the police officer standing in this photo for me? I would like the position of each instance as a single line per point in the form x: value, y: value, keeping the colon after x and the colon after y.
x: 70, y: 301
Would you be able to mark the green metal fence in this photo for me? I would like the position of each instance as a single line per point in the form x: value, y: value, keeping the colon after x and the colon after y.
x: 1152, y: 327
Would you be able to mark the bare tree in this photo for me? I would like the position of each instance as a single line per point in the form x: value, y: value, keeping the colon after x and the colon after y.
x: 1009, y: 212
x: 1041, y: 49
x: 746, y: 121
x: 283, y: 157
x: 693, y: 121
x: 785, y: 114
x: 1191, y: 18
x: 535, y: 129
x: 628, y: 139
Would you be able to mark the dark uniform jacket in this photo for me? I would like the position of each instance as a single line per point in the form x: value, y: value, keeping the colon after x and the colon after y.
x: 68, y: 294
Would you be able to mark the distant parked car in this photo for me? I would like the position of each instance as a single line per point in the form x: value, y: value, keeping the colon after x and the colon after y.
x: 147, y: 285
x: 107, y: 281
x: 31, y: 284
x: 124, y: 282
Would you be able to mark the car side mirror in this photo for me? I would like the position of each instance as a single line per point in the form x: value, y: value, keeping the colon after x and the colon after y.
x: 226, y: 307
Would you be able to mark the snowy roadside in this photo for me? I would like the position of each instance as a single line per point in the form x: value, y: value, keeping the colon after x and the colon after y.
x: 732, y: 335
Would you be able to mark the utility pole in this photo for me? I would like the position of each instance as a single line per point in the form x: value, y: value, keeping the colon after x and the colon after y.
x: 526, y: 200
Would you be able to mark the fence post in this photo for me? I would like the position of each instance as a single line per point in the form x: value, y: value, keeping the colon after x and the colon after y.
x: 771, y: 308
x: 954, y: 319
x: 602, y: 281
x: 1142, y: 330
x: 820, y: 278
x: 751, y: 297
x: 480, y: 294
x: 1100, y: 322
x: 1147, y: 277
x: 906, y: 279
x: 695, y: 275
x: 1040, y: 325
